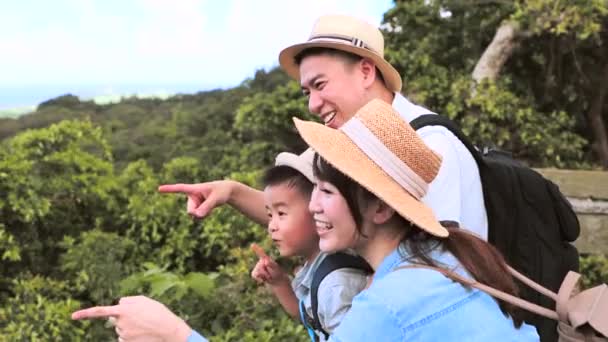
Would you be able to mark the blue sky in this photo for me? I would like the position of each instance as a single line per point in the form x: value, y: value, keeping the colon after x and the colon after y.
x: 109, y: 47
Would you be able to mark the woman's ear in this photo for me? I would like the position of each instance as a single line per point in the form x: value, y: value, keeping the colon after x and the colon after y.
x: 382, y: 212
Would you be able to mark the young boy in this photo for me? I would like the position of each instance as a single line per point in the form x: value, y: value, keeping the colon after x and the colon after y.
x: 287, y: 189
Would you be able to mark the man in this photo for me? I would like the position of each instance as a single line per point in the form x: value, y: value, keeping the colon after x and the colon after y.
x: 341, y: 68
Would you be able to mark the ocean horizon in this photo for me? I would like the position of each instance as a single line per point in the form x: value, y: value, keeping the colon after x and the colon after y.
x: 16, y: 99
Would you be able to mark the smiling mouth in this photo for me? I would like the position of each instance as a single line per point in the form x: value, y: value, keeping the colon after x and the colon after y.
x: 323, y: 227
x: 329, y: 117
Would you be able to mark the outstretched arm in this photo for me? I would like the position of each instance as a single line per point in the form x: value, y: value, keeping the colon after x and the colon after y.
x: 204, y: 197
x: 140, y: 318
x: 249, y: 201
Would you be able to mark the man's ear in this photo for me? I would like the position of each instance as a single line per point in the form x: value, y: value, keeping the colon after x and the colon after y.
x: 368, y: 69
x: 382, y: 212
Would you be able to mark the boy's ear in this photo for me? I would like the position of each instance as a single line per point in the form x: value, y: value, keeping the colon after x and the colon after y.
x: 382, y: 212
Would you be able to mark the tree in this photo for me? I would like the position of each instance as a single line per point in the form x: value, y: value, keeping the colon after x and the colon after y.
x: 55, y: 182
x: 265, y: 119
x: 81, y: 222
x: 444, y: 50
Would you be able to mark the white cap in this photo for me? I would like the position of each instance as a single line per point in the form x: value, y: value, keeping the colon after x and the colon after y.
x: 301, y: 163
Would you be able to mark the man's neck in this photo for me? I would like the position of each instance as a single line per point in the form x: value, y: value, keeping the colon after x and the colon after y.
x: 380, y: 92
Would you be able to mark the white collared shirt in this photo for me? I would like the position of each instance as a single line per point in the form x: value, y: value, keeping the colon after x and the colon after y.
x: 455, y: 194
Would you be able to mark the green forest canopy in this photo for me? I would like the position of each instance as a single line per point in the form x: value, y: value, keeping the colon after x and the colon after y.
x: 81, y: 222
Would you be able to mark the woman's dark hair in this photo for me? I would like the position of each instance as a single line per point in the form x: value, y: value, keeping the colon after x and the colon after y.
x: 482, y: 260
x: 348, y: 57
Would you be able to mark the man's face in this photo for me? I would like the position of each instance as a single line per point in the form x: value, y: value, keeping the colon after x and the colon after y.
x: 335, y: 88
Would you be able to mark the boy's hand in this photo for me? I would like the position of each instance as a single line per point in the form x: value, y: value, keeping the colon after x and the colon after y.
x: 267, y: 270
x: 259, y: 251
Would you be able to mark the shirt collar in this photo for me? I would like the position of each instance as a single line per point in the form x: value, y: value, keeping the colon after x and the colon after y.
x: 390, y: 261
x: 400, y: 256
x: 304, y: 276
x: 407, y: 109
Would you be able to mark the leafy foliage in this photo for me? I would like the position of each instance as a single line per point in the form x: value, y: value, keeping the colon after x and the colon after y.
x: 533, y: 110
x: 39, y: 310
x: 81, y: 222
x: 594, y: 269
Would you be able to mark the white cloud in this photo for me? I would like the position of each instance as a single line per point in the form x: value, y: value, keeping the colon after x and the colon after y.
x: 157, y: 41
x: 170, y: 28
x: 256, y: 31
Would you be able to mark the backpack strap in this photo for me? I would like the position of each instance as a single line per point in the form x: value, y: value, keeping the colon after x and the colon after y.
x: 565, y: 291
x: 443, y: 121
x: 307, y: 321
x: 331, y: 263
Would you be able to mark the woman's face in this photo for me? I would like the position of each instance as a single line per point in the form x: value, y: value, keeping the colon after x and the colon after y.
x: 334, y: 221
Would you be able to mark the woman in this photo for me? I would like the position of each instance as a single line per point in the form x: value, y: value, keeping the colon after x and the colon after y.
x: 371, y: 176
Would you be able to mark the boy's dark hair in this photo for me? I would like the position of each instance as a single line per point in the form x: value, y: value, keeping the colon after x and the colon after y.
x: 348, y: 57
x: 284, y: 174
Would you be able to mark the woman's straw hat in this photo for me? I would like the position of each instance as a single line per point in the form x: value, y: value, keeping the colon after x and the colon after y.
x: 347, y: 34
x: 383, y: 153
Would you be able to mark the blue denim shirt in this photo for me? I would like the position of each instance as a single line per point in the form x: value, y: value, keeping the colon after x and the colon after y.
x: 196, y: 337
x: 423, y: 305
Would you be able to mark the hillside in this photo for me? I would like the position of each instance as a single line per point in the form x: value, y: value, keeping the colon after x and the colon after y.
x: 82, y: 222
x: 16, y: 112
x: 153, y: 129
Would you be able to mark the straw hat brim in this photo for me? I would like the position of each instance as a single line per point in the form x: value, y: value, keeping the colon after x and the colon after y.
x: 335, y: 147
x: 389, y: 73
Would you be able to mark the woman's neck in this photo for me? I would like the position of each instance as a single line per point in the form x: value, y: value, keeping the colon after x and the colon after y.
x: 382, y: 243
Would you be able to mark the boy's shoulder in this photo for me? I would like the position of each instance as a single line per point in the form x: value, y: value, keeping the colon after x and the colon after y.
x: 335, y: 294
x: 341, y: 271
x: 346, y: 277
x: 304, y: 273
x: 330, y: 272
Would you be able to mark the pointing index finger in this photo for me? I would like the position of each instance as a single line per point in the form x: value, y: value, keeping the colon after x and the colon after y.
x: 175, y: 188
x: 259, y: 251
x: 97, y: 312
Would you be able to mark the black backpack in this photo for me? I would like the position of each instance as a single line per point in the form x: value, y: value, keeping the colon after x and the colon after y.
x: 529, y: 221
x: 331, y: 263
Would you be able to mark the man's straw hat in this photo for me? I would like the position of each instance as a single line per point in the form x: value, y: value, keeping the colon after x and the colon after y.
x: 301, y: 163
x: 383, y: 153
x: 347, y: 34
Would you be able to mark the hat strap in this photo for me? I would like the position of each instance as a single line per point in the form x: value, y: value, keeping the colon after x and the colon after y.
x: 373, y: 147
x: 354, y: 41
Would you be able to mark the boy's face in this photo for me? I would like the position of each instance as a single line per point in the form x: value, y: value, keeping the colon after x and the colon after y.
x: 335, y: 89
x: 291, y: 225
